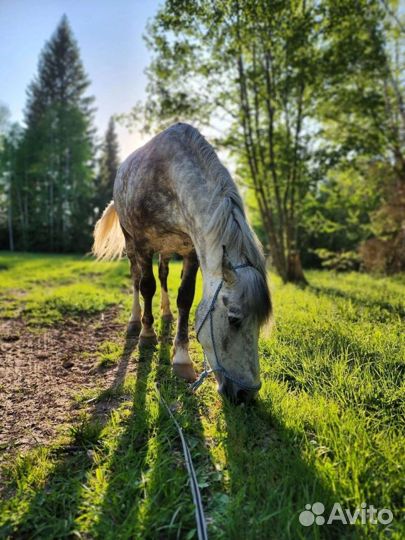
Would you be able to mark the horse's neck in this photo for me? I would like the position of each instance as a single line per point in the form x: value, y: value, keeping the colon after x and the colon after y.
x: 210, y: 255
x: 199, y: 208
x: 211, y: 267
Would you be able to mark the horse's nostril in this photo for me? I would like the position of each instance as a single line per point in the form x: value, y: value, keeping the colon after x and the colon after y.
x: 245, y: 396
x: 234, y: 393
x: 242, y: 396
x: 226, y: 389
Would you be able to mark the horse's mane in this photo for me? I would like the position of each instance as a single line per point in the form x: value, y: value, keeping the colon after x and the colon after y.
x: 228, y: 225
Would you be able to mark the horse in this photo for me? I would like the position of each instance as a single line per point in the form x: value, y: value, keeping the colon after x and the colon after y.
x: 174, y: 196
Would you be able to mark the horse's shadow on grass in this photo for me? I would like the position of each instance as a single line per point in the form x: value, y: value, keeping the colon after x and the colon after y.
x: 128, y: 503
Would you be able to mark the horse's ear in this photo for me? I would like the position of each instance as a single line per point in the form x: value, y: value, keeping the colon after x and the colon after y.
x: 228, y: 272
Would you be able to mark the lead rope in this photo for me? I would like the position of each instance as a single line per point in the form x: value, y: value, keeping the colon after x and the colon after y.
x: 195, y: 490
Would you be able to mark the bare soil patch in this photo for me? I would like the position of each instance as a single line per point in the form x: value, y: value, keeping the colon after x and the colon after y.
x: 41, y: 372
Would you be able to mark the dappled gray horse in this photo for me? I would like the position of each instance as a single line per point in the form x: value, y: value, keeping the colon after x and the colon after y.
x: 173, y: 195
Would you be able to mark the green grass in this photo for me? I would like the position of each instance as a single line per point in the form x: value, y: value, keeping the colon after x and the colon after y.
x: 110, y: 353
x: 328, y: 425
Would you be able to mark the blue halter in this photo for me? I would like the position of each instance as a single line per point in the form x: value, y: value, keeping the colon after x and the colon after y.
x: 219, y: 368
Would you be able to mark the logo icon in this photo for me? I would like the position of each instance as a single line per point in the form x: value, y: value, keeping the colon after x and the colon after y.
x: 312, y: 514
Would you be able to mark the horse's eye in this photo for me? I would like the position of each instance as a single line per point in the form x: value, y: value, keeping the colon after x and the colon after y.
x: 234, y: 320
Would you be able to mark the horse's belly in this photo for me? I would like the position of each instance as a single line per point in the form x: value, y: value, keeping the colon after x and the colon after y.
x: 169, y: 243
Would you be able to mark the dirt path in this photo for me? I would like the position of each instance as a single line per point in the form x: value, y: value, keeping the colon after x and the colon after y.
x: 40, y: 373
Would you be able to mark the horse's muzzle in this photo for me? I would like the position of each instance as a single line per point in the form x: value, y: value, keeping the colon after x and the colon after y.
x: 236, y: 394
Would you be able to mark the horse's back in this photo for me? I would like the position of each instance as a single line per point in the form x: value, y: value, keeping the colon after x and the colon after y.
x: 146, y: 192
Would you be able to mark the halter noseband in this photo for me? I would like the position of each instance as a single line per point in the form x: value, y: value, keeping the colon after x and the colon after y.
x: 219, y: 368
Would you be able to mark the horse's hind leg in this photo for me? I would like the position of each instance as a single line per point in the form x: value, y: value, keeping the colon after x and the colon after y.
x: 148, y: 289
x: 164, y: 299
x: 182, y: 364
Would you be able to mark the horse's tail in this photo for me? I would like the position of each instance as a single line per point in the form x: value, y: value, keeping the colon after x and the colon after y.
x: 109, y: 240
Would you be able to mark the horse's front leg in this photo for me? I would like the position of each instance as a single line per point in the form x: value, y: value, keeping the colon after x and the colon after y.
x: 164, y: 300
x: 182, y: 364
x: 135, y: 325
x: 148, y: 289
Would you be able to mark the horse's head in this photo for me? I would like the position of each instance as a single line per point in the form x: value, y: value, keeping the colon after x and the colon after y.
x: 228, y: 323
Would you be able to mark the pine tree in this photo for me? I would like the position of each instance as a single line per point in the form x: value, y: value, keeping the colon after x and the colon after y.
x: 109, y: 163
x: 58, y: 149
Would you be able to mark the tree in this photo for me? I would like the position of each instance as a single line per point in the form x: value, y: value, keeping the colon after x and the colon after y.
x: 56, y: 154
x: 109, y: 163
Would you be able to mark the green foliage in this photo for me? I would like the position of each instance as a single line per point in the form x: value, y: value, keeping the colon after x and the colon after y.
x: 328, y: 425
x: 336, y: 215
x: 341, y: 261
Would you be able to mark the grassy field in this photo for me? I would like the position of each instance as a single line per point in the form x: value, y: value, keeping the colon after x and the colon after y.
x: 328, y: 425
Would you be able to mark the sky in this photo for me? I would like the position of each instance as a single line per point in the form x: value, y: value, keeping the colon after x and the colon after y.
x: 109, y: 34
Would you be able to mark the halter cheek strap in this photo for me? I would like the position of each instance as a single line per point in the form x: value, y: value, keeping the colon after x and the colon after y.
x: 218, y: 367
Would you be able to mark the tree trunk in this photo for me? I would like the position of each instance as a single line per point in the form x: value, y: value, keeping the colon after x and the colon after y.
x: 295, y: 273
x: 10, y: 224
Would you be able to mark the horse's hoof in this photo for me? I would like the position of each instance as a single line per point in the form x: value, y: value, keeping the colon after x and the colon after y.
x: 168, y: 318
x: 185, y: 371
x: 148, y: 341
x: 134, y: 329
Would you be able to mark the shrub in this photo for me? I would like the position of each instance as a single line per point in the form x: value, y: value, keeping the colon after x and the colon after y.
x: 342, y: 261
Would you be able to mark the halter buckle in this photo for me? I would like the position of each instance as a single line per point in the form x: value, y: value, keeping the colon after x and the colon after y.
x: 196, y: 384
